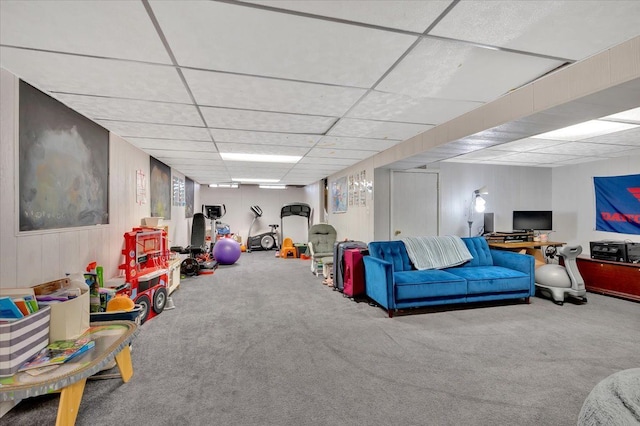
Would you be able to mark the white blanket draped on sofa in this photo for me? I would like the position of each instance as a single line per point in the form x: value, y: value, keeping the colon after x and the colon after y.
x: 436, y: 252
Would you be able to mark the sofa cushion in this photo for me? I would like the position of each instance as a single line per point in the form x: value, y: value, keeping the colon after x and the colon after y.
x: 427, y: 284
x: 492, y: 279
x: 480, y: 251
x: 393, y: 252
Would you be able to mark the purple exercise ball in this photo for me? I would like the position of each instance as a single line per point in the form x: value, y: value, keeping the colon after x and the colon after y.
x: 226, y: 251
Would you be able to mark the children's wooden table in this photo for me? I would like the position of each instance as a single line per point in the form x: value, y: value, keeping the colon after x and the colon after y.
x: 112, y: 342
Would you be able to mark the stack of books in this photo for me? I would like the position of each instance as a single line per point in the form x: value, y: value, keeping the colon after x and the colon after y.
x: 59, y: 352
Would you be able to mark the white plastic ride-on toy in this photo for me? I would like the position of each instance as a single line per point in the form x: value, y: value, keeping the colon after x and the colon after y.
x: 557, y: 282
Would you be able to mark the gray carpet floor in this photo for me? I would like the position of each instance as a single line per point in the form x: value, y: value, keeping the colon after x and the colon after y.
x: 263, y: 342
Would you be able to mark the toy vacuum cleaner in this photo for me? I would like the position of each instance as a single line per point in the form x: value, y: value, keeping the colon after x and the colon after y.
x: 557, y: 282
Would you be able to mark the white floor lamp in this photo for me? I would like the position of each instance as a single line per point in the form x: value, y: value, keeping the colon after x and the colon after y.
x: 476, y: 205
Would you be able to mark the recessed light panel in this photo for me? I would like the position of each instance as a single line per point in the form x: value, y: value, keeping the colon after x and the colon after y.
x: 588, y: 129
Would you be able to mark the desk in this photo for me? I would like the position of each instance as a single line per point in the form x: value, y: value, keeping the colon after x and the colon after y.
x: 112, y: 341
x: 531, y: 247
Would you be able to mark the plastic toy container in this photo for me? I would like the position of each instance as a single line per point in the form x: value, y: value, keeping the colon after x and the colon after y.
x: 132, y: 315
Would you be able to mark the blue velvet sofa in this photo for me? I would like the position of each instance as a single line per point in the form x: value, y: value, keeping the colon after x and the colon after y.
x: 393, y: 282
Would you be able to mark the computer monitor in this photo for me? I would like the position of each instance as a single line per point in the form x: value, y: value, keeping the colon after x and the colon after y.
x: 488, y: 223
x: 533, y: 220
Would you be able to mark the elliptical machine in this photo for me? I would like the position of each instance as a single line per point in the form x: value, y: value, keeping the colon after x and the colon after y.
x: 264, y: 241
x: 557, y: 282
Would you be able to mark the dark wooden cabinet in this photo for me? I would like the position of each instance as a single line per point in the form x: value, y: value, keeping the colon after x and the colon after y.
x: 611, y: 278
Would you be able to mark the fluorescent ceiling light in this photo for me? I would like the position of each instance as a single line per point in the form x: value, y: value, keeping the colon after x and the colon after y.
x: 255, y: 180
x: 223, y: 185
x: 272, y: 186
x: 263, y: 158
x: 588, y: 129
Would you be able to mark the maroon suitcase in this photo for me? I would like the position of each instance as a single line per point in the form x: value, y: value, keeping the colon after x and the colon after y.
x: 353, y: 272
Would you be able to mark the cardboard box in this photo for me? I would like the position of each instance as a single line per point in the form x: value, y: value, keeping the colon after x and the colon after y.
x: 22, y: 339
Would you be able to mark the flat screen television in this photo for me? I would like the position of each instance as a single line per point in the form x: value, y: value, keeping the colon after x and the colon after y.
x: 532, y: 220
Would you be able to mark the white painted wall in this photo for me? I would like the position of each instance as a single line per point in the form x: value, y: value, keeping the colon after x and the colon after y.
x: 239, y: 216
x: 574, y: 204
x: 30, y: 258
x: 357, y: 223
x: 510, y: 188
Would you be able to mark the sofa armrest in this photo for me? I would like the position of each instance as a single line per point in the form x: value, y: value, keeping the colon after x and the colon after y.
x: 379, y: 281
x: 519, y: 262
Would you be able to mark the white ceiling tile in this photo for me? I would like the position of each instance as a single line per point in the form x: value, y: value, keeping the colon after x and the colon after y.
x: 450, y: 70
x: 415, y: 16
x: 55, y: 72
x: 366, y: 144
x: 397, y: 107
x: 256, y: 93
x: 535, y: 157
x: 585, y: 149
x: 626, y: 137
x: 350, y: 127
x: 94, y: 28
x: 579, y: 160
x: 159, y: 131
x: 629, y: 116
x: 339, y: 153
x: 483, y: 154
x: 143, y: 143
x: 265, y: 121
x: 240, y: 39
x: 165, y: 153
x: 264, y: 138
x: 528, y: 144
x: 328, y: 161
x: 568, y: 29
x: 97, y: 108
x: 246, y: 148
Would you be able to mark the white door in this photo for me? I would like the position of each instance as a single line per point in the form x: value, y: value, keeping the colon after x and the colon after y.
x: 414, y: 204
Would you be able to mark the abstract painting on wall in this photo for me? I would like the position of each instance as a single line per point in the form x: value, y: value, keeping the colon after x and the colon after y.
x: 160, y: 188
x: 63, y: 167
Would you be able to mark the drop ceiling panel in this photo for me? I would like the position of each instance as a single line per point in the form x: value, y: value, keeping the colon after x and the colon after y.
x: 413, y: 16
x: 97, y: 108
x: 160, y: 131
x: 568, y: 29
x: 528, y: 144
x: 630, y: 116
x: 245, y: 148
x: 396, y: 107
x: 344, y: 162
x: 256, y: 93
x: 535, y: 157
x: 144, y: 143
x: 339, y: 153
x: 626, y: 137
x: 228, y: 37
x: 247, y: 165
x: 365, y: 144
x: 585, y: 149
x: 55, y: 72
x: 265, y: 121
x: 264, y: 138
x: 450, y: 70
x: 165, y: 153
x: 214, y: 164
x: 351, y: 127
x: 92, y: 28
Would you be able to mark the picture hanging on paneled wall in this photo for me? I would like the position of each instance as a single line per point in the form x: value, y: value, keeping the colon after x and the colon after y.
x: 160, y: 189
x: 63, y: 166
x: 189, y: 197
x: 339, y: 195
x: 178, y: 191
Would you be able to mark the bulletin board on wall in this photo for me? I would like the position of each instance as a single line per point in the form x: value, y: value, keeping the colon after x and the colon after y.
x: 159, y: 188
x: 189, y: 197
x: 63, y: 165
